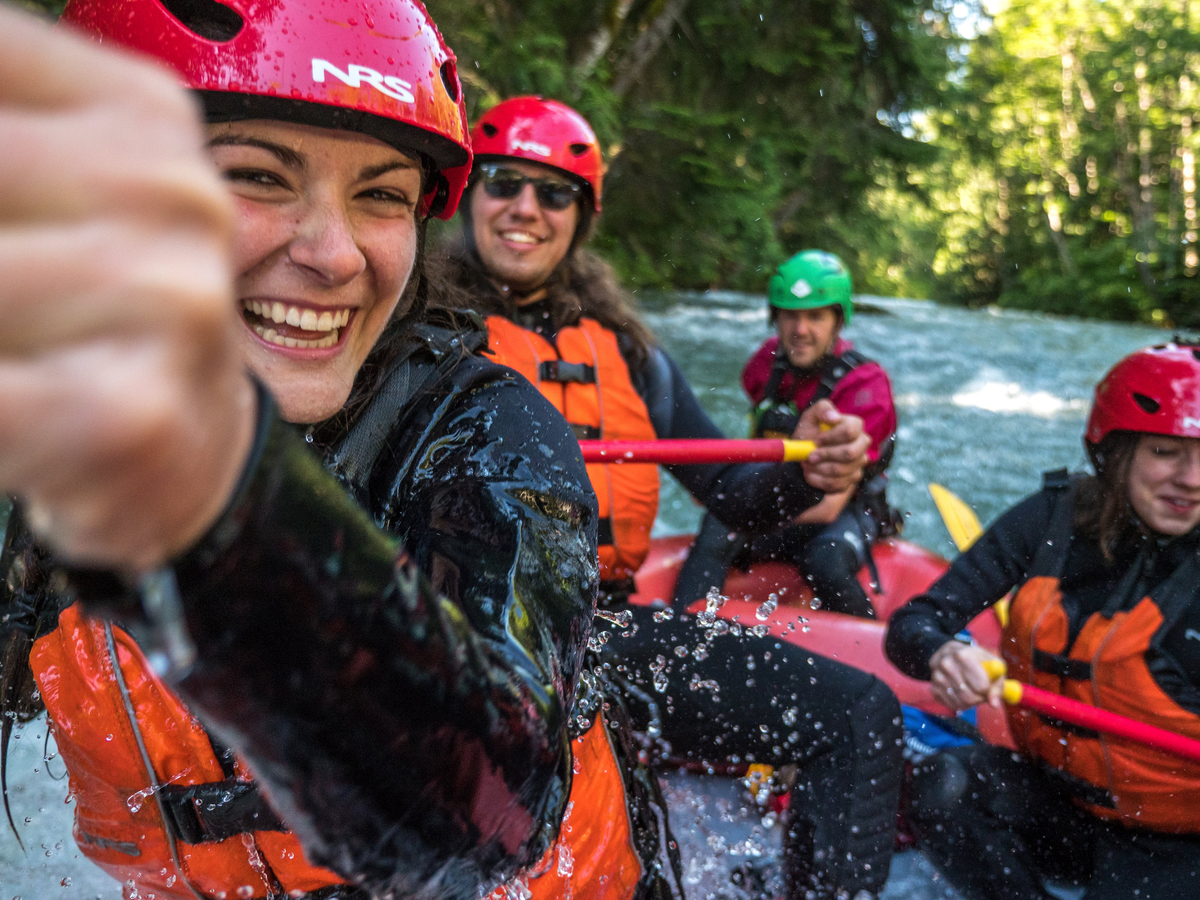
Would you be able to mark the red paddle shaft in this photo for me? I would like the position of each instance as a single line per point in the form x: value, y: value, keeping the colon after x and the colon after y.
x: 1086, y: 716
x: 681, y: 452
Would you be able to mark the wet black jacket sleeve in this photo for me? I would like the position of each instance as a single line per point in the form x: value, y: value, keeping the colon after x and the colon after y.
x: 985, y: 573
x: 748, y: 497
x: 414, y: 740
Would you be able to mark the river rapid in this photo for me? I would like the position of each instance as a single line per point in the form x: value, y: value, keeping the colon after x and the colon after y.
x: 987, y: 400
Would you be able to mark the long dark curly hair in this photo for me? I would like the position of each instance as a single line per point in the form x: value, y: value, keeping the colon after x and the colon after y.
x: 1102, y: 510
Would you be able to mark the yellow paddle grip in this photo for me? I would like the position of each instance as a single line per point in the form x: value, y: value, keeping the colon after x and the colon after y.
x: 797, y: 451
x: 1012, y: 690
x: 995, y: 668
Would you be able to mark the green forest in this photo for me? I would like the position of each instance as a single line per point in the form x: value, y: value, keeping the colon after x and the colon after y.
x: 1038, y: 154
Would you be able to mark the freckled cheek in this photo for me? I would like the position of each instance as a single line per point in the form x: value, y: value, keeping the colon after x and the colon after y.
x: 257, y: 234
x: 391, y: 264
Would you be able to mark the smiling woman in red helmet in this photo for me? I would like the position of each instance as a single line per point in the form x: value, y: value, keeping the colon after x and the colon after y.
x: 383, y: 658
x: 1107, y: 611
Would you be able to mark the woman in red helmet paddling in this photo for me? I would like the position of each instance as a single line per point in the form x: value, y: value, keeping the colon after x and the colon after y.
x: 1106, y: 569
x: 556, y: 314
x: 268, y: 679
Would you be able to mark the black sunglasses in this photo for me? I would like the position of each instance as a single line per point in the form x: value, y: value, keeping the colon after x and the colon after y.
x: 504, y: 184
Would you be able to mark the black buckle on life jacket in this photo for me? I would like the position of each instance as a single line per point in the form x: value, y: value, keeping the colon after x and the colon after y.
x: 585, y: 432
x: 562, y: 371
x: 206, y: 813
x: 604, y: 532
x: 1062, y: 666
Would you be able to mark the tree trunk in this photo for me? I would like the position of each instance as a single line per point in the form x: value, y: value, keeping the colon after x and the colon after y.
x: 644, y: 48
x: 1050, y: 205
x: 601, y: 40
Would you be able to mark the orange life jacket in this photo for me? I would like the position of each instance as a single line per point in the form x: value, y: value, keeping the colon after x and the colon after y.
x: 586, y: 379
x: 131, y: 830
x: 594, y: 857
x: 1106, y: 667
x: 123, y: 821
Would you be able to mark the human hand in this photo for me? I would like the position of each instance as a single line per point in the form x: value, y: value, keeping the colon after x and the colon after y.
x: 958, y: 678
x: 125, y: 412
x: 837, y: 463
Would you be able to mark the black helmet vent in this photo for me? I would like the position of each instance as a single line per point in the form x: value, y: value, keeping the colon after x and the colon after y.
x: 211, y: 20
x: 579, y: 149
x: 490, y: 130
x: 1149, y: 404
x: 450, y: 79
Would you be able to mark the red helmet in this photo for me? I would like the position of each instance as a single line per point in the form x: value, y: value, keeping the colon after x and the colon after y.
x: 325, y: 65
x: 542, y: 131
x: 1155, y: 390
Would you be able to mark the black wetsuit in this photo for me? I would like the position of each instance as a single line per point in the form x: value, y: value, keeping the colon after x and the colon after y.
x: 734, y: 697
x: 398, y: 664
x: 997, y: 823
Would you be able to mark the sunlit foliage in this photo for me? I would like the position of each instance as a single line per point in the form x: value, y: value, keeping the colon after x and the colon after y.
x: 736, y: 131
x: 1071, y: 180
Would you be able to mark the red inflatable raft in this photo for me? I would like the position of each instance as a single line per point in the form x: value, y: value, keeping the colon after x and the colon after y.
x: 905, y: 570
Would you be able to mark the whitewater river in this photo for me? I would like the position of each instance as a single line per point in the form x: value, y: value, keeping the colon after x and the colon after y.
x: 987, y: 400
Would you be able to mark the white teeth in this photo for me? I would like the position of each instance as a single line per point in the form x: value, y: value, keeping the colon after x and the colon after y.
x: 271, y: 336
x: 307, y: 319
x: 518, y: 237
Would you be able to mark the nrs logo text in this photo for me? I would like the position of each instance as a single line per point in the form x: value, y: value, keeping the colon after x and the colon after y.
x: 356, y: 76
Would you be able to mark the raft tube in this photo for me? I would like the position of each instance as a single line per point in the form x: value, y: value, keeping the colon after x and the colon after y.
x: 905, y: 570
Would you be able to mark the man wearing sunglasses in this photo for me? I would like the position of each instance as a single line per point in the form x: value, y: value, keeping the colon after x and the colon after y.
x: 556, y: 313
x: 523, y: 234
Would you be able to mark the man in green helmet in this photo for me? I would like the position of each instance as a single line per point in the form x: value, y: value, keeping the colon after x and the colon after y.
x: 810, y: 298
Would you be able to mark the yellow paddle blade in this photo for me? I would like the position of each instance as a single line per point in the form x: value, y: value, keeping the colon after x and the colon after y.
x: 1002, y: 611
x: 960, y: 519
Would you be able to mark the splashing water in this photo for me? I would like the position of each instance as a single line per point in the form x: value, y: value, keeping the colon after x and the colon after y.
x: 597, y: 640
x: 135, y: 800
x: 712, y: 604
x: 517, y: 889
x: 620, y: 618
x: 768, y: 606
x: 659, y: 668
x: 566, y: 862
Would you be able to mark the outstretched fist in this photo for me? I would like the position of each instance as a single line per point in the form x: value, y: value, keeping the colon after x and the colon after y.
x: 125, y: 412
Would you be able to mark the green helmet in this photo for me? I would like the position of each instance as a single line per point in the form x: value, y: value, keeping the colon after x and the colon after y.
x: 809, y: 280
